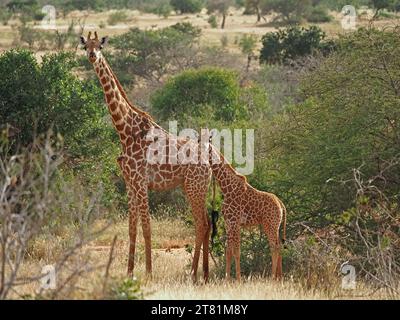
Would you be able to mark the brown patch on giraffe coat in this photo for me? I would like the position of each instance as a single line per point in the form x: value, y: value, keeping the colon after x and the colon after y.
x: 117, y: 117
x: 109, y: 97
x: 113, y: 106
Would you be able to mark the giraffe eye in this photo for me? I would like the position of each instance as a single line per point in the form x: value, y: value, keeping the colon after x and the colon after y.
x: 84, y: 48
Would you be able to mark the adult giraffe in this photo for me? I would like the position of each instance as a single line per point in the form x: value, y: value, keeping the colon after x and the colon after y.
x: 133, y: 126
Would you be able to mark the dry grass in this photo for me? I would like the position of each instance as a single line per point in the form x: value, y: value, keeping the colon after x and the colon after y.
x: 171, y: 269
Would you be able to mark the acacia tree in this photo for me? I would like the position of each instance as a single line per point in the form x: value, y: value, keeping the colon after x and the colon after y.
x: 254, y: 6
x: 220, y: 6
x: 290, y: 11
x: 381, y: 4
x: 187, y: 6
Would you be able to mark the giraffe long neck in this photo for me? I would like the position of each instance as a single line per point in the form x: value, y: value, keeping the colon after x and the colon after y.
x: 228, y: 179
x: 127, y: 118
x: 117, y: 104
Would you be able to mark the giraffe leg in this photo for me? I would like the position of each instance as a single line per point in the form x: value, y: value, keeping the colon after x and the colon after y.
x: 143, y: 206
x: 133, y: 220
x: 140, y: 206
x: 145, y: 218
x: 206, y: 249
x: 133, y: 216
x: 228, y: 257
x: 274, y: 242
x: 274, y: 263
x: 196, y: 195
x: 236, y: 254
x: 279, y: 267
x: 201, y: 230
x: 233, y: 249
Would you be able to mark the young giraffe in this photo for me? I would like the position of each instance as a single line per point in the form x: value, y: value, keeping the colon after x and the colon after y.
x: 245, y: 206
x: 133, y: 125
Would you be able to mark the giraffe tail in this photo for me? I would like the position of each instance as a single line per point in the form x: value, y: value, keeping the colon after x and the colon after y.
x: 284, y: 214
x: 214, y: 215
x: 214, y: 219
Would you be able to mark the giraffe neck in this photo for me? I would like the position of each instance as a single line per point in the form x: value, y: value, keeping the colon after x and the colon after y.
x: 126, y: 118
x: 227, y: 177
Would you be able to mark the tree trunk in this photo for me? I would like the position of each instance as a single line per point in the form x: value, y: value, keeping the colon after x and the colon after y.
x: 223, y: 20
x: 258, y: 14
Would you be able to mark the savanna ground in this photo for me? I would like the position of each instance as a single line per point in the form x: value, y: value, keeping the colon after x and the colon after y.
x: 171, y: 270
x: 104, y: 275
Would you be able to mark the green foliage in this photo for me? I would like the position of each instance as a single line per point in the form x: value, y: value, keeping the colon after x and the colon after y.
x: 247, y: 44
x: 253, y: 7
x: 117, y: 17
x: 289, y: 11
x: 346, y: 121
x: 212, y: 20
x: 163, y: 10
x: 221, y: 7
x: 382, y: 4
x: 193, y: 93
x: 319, y: 14
x: 293, y: 42
x: 5, y: 15
x: 187, y: 6
x: 337, y: 5
x: 152, y: 53
x: 128, y: 289
x: 35, y: 97
x: 84, y: 5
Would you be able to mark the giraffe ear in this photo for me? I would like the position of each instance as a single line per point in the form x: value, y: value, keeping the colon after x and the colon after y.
x: 83, y: 41
x: 103, y: 42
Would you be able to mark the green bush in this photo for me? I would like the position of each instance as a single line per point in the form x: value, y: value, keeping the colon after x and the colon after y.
x: 117, y: 17
x: 319, y: 14
x: 163, y: 10
x: 291, y: 43
x: 193, y: 93
x: 289, y: 11
x: 5, y: 15
x: 128, y: 289
x: 38, y: 96
x: 342, y: 124
x: 84, y: 4
x: 187, y: 6
x: 151, y: 54
x: 247, y: 44
x: 212, y: 20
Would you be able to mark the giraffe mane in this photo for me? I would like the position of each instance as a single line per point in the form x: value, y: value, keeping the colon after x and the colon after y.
x: 226, y: 164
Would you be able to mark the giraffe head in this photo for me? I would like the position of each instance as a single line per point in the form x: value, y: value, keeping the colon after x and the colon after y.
x: 93, y: 46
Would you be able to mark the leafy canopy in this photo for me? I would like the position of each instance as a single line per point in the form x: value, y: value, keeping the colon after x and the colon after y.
x: 35, y: 97
x: 291, y: 43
